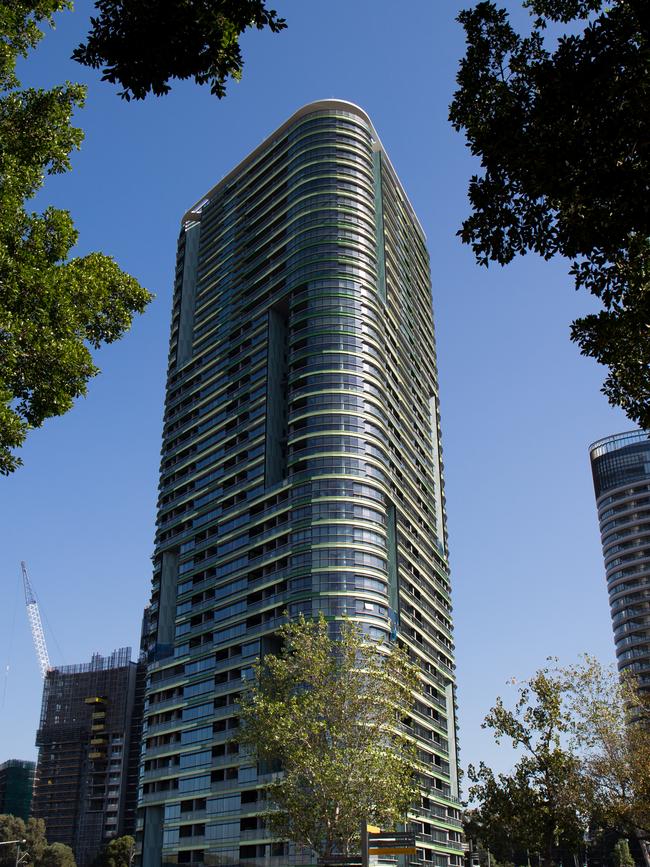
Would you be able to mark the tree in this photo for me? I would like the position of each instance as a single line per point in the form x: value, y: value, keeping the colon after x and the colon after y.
x: 326, y: 711
x: 142, y: 44
x: 53, y: 308
x: 479, y: 856
x: 621, y: 855
x: 611, y: 727
x: 585, y: 733
x: 32, y: 832
x: 57, y: 855
x: 41, y: 854
x: 562, y: 136
x: 118, y: 852
x: 540, y: 807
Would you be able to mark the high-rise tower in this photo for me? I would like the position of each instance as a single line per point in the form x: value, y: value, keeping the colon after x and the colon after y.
x: 621, y: 469
x: 301, y: 472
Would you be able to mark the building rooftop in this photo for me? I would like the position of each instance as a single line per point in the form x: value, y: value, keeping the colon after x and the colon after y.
x: 318, y: 105
x: 617, y: 441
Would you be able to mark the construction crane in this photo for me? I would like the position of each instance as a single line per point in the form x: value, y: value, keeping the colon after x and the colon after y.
x: 35, y: 622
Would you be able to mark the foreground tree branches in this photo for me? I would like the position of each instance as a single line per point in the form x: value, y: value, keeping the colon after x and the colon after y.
x: 563, y: 141
x: 53, y: 309
x: 142, y: 44
x: 325, y: 712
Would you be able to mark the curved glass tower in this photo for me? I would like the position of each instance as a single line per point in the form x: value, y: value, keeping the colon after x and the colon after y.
x: 621, y: 471
x: 301, y: 472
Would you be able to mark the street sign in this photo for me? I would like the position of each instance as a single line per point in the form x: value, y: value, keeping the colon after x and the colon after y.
x: 340, y: 860
x: 392, y: 843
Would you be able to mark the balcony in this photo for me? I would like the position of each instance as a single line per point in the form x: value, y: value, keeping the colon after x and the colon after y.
x: 156, y: 706
x: 229, y: 686
x: 158, y: 773
x: 162, y: 726
x: 163, y: 748
x: 259, y: 834
x: 158, y: 797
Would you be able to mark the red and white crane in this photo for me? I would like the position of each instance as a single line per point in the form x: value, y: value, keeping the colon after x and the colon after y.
x: 35, y: 623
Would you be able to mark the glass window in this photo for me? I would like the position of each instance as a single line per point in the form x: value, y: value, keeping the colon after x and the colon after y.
x: 172, y: 811
x: 224, y: 831
x: 198, y: 711
x: 197, y: 688
x: 194, y: 784
x: 193, y: 760
x: 225, y: 804
x: 204, y: 733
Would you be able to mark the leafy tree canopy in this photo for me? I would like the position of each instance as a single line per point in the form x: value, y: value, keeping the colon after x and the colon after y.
x: 611, y: 729
x: 326, y: 712
x: 621, y: 856
x: 562, y: 129
x: 539, y: 807
x: 41, y: 854
x: 57, y: 855
x: 118, y: 852
x: 585, y: 737
x: 53, y: 308
x: 32, y: 832
x: 143, y: 44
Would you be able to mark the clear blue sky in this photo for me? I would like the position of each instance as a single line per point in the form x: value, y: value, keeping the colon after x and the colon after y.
x: 519, y: 405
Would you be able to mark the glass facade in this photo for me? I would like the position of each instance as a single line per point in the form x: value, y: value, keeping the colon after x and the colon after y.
x: 301, y: 473
x: 621, y: 470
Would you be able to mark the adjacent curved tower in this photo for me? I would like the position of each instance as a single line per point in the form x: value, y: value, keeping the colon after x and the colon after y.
x: 301, y: 472
x: 621, y: 471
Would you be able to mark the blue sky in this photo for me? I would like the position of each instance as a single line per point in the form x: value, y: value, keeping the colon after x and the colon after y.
x: 519, y: 404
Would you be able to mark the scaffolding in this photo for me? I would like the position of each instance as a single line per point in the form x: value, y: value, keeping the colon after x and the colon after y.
x: 84, y: 737
x: 16, y: 781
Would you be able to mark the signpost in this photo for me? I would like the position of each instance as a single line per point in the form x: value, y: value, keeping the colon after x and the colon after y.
x: 339, y: 860
x: 374, y: 841
x: 391, y: 843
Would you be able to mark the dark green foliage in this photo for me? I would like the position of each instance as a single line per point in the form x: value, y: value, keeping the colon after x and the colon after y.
x: 40, y: 853
x: 19, y: 31
x: 518, y: 814
x: 142, y: 44
x: 480, y: 856
x: 32, y: 832
x: 621, y: 856
x: 562, y: 133
x: 52, y: 308
x: 57, y: 855
x: 119, y: 852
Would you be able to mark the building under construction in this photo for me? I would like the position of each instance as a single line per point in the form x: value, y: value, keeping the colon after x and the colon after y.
x: 16, y: 781
x: 88, y: 738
